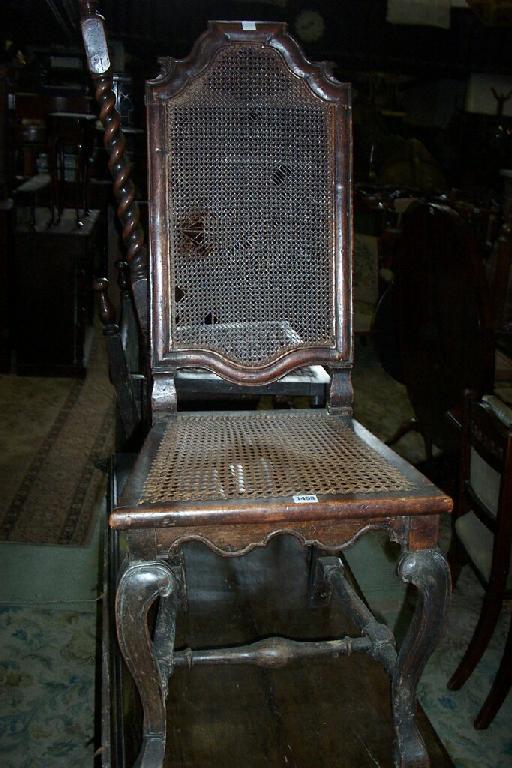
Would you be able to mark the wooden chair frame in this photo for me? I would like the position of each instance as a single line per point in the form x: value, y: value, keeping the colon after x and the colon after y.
x: 156, y: 532
x: 483, y: 430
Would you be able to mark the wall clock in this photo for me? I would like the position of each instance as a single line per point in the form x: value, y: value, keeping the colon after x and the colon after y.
x: 309, y: 25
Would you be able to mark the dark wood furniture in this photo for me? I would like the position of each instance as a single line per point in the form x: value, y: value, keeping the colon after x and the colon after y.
x: 482, y: 535
x: 307, y: 713
x: 30, y: 138
x: 71, y: 137
x: 250, y: 242
x: 6, y: 269
x: 437, y: 316
x: 6, y: 221
x: 53, y: 274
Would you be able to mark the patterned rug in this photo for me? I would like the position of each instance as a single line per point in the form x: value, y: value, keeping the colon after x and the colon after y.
x: 47, y: 667
x: 53, y: 435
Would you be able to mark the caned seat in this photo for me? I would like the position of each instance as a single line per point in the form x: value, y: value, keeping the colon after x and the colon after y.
x: 250, y: 277
x: 203, y: 467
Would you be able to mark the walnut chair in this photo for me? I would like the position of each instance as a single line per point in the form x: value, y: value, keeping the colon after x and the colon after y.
x: 250, y: 277
x: 482, y: 535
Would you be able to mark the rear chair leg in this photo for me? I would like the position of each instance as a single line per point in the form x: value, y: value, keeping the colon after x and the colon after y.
x: 481, y: 638
x: 500, y: 688
x: 319, y: 588
x: 428, y: 570
x: 149, y: 662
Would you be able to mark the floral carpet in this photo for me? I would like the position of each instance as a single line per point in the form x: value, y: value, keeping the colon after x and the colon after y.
x: 47, y: 669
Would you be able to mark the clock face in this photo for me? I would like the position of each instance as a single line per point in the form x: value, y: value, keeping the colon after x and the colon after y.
x: 309, y: 25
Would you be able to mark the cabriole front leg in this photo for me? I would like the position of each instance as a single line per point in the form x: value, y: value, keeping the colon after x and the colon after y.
x: 428, y: 570
x: 148, y: 663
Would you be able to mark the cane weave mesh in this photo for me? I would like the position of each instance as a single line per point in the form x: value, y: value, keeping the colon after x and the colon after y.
x: 251, y: 209
x: 261, y: 455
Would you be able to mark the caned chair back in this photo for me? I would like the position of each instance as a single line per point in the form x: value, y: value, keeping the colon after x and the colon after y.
x: 249, y: 148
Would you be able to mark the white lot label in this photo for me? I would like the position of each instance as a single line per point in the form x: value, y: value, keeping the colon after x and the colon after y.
x: 305, y: 498
x: 248, y: 26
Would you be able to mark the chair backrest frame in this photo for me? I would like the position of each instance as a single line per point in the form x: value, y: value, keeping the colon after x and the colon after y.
x: 175, y: 77
x: 491, y: 439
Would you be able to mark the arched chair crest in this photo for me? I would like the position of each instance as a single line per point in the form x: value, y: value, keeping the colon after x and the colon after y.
x: 249, y: 148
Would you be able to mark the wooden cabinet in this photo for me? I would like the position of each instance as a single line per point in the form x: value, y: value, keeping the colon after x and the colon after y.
x: 54, y: 305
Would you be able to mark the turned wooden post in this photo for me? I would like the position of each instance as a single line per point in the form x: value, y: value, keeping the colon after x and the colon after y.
x: 93, y: 33
x: 118, y: 367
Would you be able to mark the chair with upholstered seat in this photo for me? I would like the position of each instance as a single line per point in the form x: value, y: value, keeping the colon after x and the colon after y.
x: 250, y: 277
x: 482, y: 535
